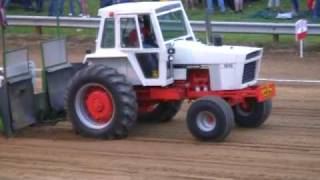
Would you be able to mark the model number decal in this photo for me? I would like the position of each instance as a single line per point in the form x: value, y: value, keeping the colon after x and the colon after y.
x: 228, y: 66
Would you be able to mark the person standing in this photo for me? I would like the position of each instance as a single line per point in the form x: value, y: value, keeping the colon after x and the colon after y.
x: 84, y: 8
x: 123, y: 1
x: 310, y: 4
x: 105, y: 3
x: 238, y: 5
x: 230, y: 4
x: 273, y: 4
x: 56, y: 7
x: 210, y: 6
x: 316, y: 10
x: 51, y: 8
x: 6, y: 3
x: 295, y: 7
x: 27, y: 4
x: 72, y: 7
x: 39, y: 6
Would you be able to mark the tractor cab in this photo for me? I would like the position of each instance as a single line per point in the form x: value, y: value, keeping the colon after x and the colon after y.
x: 135, y: 37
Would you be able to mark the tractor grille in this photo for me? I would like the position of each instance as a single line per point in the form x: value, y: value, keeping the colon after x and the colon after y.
x: 253, y: 55
x: 249, y: 72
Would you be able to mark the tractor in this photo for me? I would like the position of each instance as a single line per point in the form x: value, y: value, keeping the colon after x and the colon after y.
x: 146, y: 62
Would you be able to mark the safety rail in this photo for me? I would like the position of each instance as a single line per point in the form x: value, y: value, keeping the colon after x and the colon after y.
x: 198, y: 26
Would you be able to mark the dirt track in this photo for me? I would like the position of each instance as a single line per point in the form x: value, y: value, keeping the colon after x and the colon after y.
x: 287, y: 146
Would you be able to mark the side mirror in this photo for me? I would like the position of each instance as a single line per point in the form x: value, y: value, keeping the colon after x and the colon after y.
x: 88, y: 51
x: 217, y: 40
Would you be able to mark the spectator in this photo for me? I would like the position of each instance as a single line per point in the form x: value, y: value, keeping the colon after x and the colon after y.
x: 6, y: 3
x: 310, y: 4
x: 105, y: 3
x: 39, y: 5
x: 316, y: 10
x: 295, y: 7
x: 27, y: 4
x: 56, y: 8
x: 71, y: 7
x: 84, y: 8
x: 210, y: 6
x: 122, y: 1
x: 273, y: 4
x: 238, y: 5
x: 230, y: 4
x: 192, y: 3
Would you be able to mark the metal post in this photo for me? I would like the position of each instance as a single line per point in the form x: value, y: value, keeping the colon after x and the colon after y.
x: 301, y: 49
x: 208, y: 27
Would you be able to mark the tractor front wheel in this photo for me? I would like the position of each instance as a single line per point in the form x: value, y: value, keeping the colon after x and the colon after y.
x: 252, y: 114
x: 161, y: 112
x: 210, y: 118
x: 101, y: 103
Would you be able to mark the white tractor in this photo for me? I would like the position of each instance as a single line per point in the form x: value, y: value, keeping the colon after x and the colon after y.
x: 148, y: 60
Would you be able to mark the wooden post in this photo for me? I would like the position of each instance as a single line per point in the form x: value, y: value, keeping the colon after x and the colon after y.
x: 275, y: 38
x: 38, y: 30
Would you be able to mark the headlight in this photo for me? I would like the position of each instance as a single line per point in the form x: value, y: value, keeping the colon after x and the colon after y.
x: 170, y: 58
x: 171, y: 50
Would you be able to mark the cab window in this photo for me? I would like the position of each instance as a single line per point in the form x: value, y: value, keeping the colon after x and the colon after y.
x: 147, y: 32
x: 108, y: 36
x: 129, y: 34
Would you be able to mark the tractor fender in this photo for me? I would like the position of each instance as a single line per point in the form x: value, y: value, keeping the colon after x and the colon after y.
x: 121, y: 64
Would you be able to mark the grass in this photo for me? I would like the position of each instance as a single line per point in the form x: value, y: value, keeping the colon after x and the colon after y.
x: 250, y: 10
x: 194, y: 14
x: 264, y: 41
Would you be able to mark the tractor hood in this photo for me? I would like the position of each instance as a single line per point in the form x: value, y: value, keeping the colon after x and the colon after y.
x: 197, y: 53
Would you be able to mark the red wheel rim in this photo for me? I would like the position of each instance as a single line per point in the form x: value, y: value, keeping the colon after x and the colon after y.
x: 206, y: 121
x: 210, y: 118
x: 245, y: 107
x: 99, y: 104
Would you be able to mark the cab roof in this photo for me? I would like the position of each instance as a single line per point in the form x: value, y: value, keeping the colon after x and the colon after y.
x: 139, y: 7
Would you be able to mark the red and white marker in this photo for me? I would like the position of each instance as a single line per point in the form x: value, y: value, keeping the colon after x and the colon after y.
x: 301, y: 29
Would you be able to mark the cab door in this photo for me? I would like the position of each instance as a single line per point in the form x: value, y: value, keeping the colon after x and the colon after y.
x: 143, y: 52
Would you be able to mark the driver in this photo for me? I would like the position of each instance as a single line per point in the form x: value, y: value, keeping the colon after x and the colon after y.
x: 145, y: 30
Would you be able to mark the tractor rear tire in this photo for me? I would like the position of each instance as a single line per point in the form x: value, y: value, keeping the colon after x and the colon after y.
x: 163, y: 112
x: 101, y: 103
x: 253, y: 117
x: 210, y: 119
